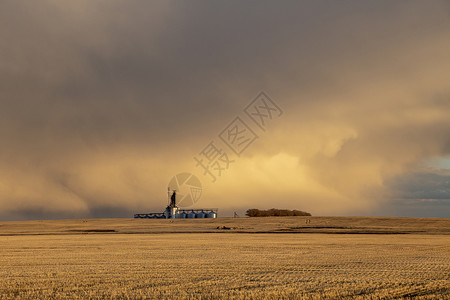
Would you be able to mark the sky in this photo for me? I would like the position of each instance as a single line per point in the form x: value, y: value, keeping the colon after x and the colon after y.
x: 102, y: 103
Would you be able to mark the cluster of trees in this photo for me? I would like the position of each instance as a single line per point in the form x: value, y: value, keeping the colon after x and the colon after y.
x: 275, y: 213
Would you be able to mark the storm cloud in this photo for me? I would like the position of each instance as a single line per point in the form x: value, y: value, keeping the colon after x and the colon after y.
x: 101, y: 103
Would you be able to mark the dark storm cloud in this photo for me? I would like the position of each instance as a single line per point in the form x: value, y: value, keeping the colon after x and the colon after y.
x: 424, y: 193
x: 427, y: 185
x: 102, y: 102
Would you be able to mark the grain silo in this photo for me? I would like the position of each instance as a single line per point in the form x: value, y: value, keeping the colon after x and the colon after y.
x: 201, y: 215
x: 174, y: 212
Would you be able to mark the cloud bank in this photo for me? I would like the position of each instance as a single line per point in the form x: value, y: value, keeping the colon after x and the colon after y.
x: 102, y: 103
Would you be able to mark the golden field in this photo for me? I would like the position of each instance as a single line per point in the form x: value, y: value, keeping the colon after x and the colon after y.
x: 271, y: 258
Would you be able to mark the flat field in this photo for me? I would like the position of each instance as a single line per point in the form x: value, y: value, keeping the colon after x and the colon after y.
x: 272, y: 258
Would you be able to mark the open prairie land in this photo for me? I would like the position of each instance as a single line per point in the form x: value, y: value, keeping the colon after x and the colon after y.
x: 331, y: 257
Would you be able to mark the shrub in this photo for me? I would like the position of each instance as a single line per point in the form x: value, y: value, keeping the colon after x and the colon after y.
x: 254, y: 212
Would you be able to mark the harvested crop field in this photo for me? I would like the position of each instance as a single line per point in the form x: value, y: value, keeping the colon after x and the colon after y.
x: 257, y: 258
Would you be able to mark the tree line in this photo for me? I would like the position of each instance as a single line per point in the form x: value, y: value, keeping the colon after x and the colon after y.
x: 254, y: 212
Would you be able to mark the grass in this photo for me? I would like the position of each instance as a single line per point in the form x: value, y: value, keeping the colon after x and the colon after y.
x: 77, y: 259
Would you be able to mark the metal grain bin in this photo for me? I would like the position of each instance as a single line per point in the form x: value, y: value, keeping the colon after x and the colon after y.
x: 211, y: 214
x: 201, y: 215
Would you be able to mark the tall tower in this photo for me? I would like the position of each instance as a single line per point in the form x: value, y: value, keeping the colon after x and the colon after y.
x: 171, y: 210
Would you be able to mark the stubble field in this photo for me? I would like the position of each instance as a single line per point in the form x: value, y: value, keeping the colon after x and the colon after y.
x: 258, y: 258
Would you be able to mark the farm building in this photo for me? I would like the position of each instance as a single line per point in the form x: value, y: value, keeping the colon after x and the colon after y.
x: 174, y: 212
